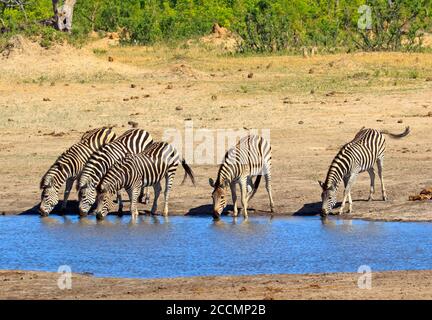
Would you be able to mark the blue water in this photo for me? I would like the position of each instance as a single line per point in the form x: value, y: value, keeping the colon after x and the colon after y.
x: 155, y: 247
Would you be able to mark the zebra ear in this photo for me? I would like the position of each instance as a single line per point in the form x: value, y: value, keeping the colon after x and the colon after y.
x: 211, y: 183
x: 321, y: 184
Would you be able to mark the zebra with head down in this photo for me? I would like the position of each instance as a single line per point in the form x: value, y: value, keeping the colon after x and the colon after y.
x: 250, y: 157
x: 68, y: 166
x: 131, y: 142
x: 359, y: 155
x: 135, y: 171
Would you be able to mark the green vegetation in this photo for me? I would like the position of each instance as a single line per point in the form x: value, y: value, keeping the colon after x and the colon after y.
x: 264, y: 25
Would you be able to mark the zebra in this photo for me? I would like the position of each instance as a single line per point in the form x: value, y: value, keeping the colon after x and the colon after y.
x: 132, y: 141
x: 359, y: 155
x: 68, y: 166
x: 250, y: 157
x: 135, y: 171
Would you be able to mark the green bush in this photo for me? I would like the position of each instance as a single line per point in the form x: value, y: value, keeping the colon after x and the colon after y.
x: 264, y: 25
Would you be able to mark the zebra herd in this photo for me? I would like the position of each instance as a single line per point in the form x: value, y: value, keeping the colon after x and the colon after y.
x: 104, y: 164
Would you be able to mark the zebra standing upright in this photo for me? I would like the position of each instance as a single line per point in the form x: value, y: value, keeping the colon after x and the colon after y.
x: 140, y: 170
x: 359, y: 155
x: 132, y: 141
x: 68, y: 166
x: 250, y: 157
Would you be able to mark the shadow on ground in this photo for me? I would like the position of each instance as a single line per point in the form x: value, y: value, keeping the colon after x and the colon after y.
x: 71, y: 209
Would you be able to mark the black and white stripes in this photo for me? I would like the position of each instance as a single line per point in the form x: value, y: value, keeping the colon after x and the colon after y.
x: 135, y: 171
x: 131, y: 142
x: 359, y: 155
x: 250, y: 157
x: 69, y: 165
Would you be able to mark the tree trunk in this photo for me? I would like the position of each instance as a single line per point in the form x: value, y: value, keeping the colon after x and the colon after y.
x: 64, y: 14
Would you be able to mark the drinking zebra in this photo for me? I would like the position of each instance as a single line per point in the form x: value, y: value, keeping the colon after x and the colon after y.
x: 359, y: 155
x: 135, y: 171
x: 68, y: 166
x: 132, y: 141
x: 250, y: 157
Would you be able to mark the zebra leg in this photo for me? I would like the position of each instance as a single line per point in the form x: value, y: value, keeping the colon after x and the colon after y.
x: 244, y: 195
x: 133, y: 193
x: 168, y: 185
x: 380, y: 163
x: 68, y: 187
x: 234, y: 198
x: 144, y: 196
x: 267, y: 177
x: 349, y: 181
x: 157, y: 189
x: 371, y: 172
x: 120, y: 204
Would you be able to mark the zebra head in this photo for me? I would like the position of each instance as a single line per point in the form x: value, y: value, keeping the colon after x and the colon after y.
x: 86, y: 196
x: 104, y: 203
x: 49, y: 196
x: 219, y: 197
x: 328, y: 197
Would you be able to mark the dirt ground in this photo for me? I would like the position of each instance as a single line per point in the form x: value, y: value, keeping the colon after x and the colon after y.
x: 312, y: 106
x: 384, y: 285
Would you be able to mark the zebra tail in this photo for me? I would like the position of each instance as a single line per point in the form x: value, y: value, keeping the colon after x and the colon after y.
x: 397, y: 136
x: 188, y: 172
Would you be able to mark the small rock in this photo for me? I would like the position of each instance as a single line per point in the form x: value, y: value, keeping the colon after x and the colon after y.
x: 311, y: 71
x: 179, y: 108
x: 312, y: 91
x: 400, y: 121
x: 133, y: 124
x: 133, y: 86
x: 169, y: 86
x: 146, y: 96
x: 301, y: 122
x: 214, y: 97
x: 110, y: 59
x: 46, y: 99
x: 429, y: 79
x: 125, y: 99
x: 250, y: 75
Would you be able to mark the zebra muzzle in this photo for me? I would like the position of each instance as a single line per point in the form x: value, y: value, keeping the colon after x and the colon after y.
x: 99, y: 216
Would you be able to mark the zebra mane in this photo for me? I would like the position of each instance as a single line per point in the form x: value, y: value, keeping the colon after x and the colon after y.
x: 54, y: 170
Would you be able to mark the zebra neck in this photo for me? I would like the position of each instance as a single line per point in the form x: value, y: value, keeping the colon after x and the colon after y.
x: 57, y: 177
x: 223, y: 177
x: 335, y: 175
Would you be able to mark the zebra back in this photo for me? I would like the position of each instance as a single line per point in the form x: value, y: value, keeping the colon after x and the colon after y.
x: 132, y: 141
x: 70, y: 163
x: 154, y: 163
x: 98, y: 137
x: 250, y: 156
